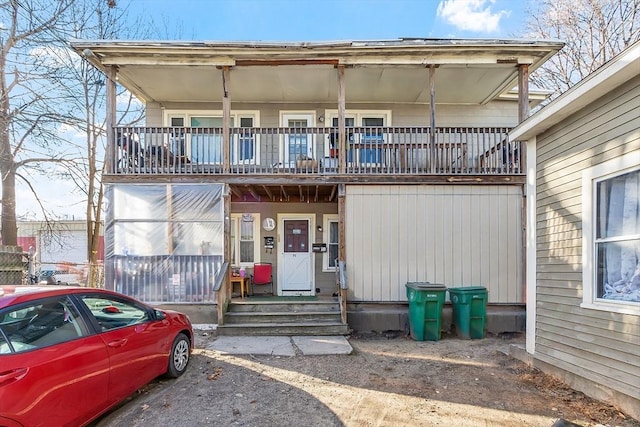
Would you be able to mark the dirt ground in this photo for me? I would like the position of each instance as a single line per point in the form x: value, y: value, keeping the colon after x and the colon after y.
x: 389, y: 380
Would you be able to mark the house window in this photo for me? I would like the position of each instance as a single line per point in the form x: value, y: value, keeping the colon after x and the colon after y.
x: 245, y: 148
x: 331, y: 239
x: 245, y: 230
x: 371, y: 138
x: 300, y: 142
x: 618, y: 237
x: 204, y: 146
x: 612, y: 235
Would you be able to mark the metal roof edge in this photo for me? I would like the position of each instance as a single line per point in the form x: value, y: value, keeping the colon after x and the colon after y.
x: 400, y: 42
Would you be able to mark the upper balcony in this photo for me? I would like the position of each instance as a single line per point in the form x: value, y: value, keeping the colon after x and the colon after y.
x: 305, y: 152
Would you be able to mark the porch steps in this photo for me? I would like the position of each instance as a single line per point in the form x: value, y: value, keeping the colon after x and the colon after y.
x: 255, y: 317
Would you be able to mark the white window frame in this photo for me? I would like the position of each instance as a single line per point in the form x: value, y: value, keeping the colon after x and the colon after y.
x: 327, y: 219
x: 236, y: 219
x: 590, y: 178
x: 357, y: 115
x: 236, y: 116
x: 285, y: 116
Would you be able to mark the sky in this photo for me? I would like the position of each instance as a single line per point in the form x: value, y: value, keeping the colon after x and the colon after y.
x: 298, y: 20
x: 323, y: 20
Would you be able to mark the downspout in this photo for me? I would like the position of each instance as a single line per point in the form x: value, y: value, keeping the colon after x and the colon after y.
x: 342, y: 250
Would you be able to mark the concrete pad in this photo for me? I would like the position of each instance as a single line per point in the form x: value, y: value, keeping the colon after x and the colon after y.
x: 319, y: 345
x: 204, y: 326
x: 267, y: 345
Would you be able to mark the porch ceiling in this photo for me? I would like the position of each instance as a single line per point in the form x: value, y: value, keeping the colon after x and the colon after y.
x: 468, y: 71
x: 309, y: 193
x: 454, y: 84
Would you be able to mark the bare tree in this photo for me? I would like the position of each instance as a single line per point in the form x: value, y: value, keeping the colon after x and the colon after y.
x: 594, y: 31
x: 85, y: 87
x: 28, y: 122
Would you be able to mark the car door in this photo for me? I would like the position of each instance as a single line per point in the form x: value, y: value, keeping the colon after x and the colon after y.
x: 137, y: 344
x: 53, y: 370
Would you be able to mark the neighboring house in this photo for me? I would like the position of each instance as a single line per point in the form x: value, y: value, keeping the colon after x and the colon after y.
x: 583, y: 251
x: 391, y: 156
x: 58, y: 248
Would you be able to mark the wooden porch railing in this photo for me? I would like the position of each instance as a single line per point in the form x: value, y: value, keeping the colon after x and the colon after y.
x: 370, y: 150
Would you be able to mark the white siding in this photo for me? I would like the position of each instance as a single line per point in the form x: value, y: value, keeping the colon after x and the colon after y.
x: 456, y: 235
x: 601, y: 346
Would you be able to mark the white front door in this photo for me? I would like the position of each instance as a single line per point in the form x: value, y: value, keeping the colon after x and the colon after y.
x: 295, y: 263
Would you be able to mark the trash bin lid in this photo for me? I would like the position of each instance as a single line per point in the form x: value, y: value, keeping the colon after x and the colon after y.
x: 426, y: 286
x: 467, y: 289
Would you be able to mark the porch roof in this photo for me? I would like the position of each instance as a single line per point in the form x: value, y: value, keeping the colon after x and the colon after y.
x: 386, y: 71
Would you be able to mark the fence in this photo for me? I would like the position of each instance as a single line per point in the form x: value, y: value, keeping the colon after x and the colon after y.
x: 14, y: 264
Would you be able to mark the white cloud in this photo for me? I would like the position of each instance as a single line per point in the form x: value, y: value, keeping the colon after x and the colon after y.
x: 123, y: 100
x: 471, y: 15
x: 56, y: 57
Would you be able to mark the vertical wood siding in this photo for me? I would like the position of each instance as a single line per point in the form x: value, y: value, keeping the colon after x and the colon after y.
x: 598, y: 345
x: 456, y: 235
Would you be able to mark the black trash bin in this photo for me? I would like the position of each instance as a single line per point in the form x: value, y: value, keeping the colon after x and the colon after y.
x: 425, y: 310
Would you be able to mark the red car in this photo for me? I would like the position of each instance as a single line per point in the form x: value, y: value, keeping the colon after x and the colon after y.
x: 69, y: 354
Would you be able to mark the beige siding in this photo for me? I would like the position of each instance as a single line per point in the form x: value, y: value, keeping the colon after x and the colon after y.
x: 494, y: 114
x: 598, y: 345
x: 454, y: 235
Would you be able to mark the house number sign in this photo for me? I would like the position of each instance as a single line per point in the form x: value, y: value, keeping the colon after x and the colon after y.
x: 269, y: 224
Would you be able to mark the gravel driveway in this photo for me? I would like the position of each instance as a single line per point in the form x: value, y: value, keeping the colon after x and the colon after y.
x: 388, y: 380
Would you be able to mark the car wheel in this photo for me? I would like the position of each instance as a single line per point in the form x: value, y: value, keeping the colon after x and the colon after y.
x: 179, y: 357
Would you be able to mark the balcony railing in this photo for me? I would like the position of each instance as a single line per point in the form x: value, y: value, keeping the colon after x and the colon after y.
x: 368, y: 150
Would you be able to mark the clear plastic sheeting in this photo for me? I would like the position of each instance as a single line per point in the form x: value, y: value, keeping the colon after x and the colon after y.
x: 164, y: 242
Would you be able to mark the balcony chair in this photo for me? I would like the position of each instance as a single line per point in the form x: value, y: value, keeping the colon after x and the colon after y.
x: 262, y: 275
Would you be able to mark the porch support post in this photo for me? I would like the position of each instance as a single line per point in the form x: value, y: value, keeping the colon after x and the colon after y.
x: 342, y: 146
x: 342, y: 252
x: 224, y: 294
x: 226, y: 119
x: 523, y: 110
x: 110, y: 121
x: 432, y: 106
x: 523, y: 92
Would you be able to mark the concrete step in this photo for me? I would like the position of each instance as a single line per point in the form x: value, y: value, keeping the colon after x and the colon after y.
x: 243, y: 317
x: 280, y: 307
x: 258, y: 329
x: 253, y: 316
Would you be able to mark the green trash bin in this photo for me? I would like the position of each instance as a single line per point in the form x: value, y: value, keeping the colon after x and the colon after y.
x: 469, y: 311
x: 425, y: 310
